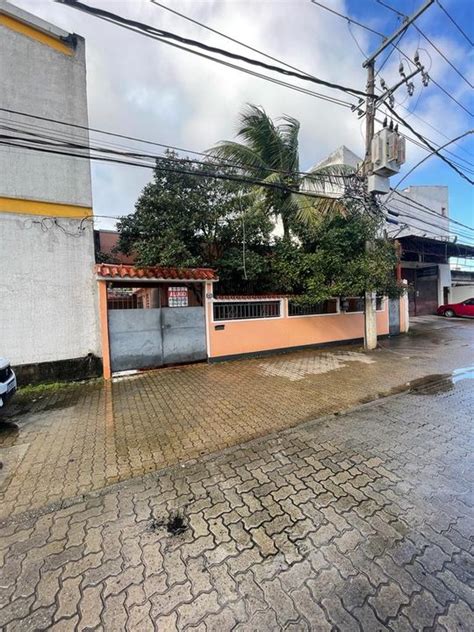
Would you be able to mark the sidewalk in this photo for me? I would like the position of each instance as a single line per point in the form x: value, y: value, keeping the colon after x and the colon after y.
x: 85, y: 437
x: 359, y: 523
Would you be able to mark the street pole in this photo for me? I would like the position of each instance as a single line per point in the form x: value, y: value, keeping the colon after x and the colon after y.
x: 370, y: 315
x: 370, y: 320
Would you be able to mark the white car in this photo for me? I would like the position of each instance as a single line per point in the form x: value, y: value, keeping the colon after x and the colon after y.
x: 7, y: 381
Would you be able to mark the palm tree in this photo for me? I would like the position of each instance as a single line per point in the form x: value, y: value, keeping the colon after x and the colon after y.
x: 269, y: 154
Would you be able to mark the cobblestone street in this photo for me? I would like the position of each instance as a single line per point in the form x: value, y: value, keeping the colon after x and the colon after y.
x: 82, y: 438
x: 361, y: 521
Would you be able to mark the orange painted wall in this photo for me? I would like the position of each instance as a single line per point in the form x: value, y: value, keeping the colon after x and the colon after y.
x: 279, y: 333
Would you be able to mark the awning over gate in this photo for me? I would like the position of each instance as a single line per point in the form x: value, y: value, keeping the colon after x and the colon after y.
x: 107, y: 271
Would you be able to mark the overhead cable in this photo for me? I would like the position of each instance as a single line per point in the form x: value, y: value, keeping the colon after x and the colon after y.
x: 163, y: 35
x: 455, y: 23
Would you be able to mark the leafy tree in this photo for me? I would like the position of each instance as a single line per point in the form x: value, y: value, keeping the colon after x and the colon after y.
x: 269, y: 153
x: 331, y: 259
x: 184, y: 219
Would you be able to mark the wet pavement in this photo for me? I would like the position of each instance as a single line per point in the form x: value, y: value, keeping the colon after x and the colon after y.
x: 85, y: 437
x: 357, y: 522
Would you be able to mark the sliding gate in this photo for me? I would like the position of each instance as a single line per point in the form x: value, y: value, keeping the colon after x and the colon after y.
x: 147, y: 338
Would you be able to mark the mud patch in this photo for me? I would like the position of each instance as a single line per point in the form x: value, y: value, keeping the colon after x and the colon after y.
x: 174, y: 525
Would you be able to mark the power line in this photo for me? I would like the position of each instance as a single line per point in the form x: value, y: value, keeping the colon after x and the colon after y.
x: 455, y: 23
x: 420, y: 205
x: 162, y: 35
x: 227, y: 37
x: 428, y: 144
x: 440, y: 52
x: 208, y: 162
x: 390, y: 8
x: 424, y: 222
x: 448, y: 94
x: 426, y: 209
x: 138, y: 161
x: 418, y: 164
x: 345, y: 17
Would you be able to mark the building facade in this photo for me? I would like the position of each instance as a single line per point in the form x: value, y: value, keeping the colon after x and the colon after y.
x: 48, y: 294
x: 418, y: 220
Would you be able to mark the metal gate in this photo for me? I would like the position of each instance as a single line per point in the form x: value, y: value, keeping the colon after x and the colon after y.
x: 147, y: 338
x: 394, y: 316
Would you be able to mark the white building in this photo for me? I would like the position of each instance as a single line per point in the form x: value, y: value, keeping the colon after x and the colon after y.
x: 418, y: 218
x: 48, y: 316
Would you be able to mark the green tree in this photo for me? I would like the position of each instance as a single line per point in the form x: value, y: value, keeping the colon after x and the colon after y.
x: 331, y: 259
x: 269, y: 153
x: 185, y: 219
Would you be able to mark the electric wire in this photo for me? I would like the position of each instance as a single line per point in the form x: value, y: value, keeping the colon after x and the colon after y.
x: 455, y: 23
x: 140, y: 161
x: 133, y: 154
x: 426, y: 209
x: 417, y: 28
x: 425, y: 158
x: 165, y: 36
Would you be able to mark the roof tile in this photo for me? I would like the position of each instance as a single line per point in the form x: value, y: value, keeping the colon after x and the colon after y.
x: 160, y: 273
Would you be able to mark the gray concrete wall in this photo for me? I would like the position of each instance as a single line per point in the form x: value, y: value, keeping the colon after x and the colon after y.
x: 48, y: 293
x: 47, y: 290
x: 37, y: 79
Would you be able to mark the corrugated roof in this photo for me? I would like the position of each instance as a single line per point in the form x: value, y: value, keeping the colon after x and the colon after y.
x: 158, y: 273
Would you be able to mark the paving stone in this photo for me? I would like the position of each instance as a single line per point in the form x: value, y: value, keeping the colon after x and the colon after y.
x: 359, y: 522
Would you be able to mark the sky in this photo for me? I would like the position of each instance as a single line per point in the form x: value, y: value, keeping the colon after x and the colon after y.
x: 144, y: 88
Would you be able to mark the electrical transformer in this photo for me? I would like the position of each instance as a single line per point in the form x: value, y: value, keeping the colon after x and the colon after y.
x: 388, y: 152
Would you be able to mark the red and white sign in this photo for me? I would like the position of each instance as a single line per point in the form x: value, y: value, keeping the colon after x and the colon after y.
x: 177, y: 297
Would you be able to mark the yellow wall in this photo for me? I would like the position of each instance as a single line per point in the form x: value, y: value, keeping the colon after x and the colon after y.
x: 48, y: 209
x: 33, y: 33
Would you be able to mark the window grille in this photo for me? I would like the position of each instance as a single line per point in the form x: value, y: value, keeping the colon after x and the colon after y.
x: 324, y: 307
x: 246, y: 310
x: 357, y: 303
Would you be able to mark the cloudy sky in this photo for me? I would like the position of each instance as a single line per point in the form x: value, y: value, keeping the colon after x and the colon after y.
x: 147, y: 89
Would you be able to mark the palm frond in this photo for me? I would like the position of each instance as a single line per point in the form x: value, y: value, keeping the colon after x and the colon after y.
x: 289, y: 131
x: 328, y: 179
x: 259, y: 132
x: 311, y: 209
x: 241, y: 156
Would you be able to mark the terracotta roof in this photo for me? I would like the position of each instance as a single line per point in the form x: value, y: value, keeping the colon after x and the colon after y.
x: 160, y: 273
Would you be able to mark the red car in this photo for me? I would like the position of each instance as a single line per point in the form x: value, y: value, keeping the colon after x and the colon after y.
x: 465, y: 308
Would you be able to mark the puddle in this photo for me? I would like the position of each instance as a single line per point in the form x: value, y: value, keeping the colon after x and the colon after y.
x: 467, y: 373
x: 440, y: 383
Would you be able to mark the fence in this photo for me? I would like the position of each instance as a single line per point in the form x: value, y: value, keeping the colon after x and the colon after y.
x: 247, y: 310
x: 258, y: 324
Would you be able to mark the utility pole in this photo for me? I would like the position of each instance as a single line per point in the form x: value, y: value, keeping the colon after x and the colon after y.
x: 370, y: 320
x: 370, y: 315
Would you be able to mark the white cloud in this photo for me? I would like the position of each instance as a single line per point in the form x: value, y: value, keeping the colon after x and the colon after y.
x: 144, y: 88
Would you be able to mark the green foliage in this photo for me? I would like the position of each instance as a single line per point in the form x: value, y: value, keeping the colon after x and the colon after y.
x: 269, y: 153
x: 331, y: 260
x: 185, y: 220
